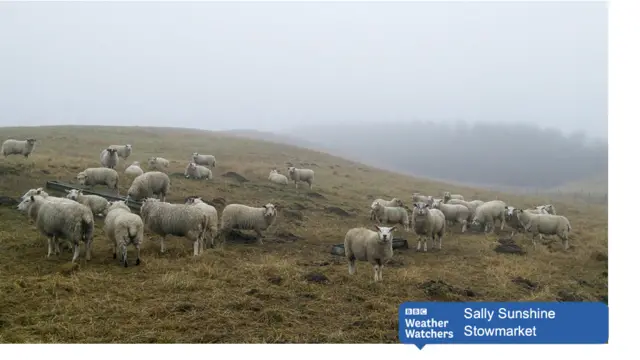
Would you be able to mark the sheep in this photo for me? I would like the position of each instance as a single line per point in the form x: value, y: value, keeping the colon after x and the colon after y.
x: 514, y: 223
x: 391, y: 215
x: 416, y: 197
x: 32, y: 208
x: 212, y: 213
x: 158, y: 163
x: 71, y: 221
x: 97, y: 204
x: 476, y: 203
x: 124, y: 151
x: 175, y: 219
x: 395, y: 202
x: 99, y: 176
x: 363, y: 244
x: 549, y: 208
x: 301, y: 175
x: 277, y: 178
x: 427, y: 223
x: 149, y: 184
x: 197, y: 172
x: 545, y: 224
x: 18, y: 147
x: 455, y: 213
x: 44, y: 194
x: 448, y: 196
x: 205, y: 160
x: 487, y: 213
x: 109, y: 158
x: 123, y: 228
x: 472, y: 205
x: 134, y: 169
x: 243, y: 217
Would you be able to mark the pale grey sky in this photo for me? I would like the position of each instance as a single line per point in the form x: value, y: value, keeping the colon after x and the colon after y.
x: 270, y: 66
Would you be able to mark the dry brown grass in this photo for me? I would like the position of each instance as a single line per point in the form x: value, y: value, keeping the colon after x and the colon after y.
x: 247, y: 293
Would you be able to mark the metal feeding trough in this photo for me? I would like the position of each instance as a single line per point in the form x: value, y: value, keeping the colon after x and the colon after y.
x: 62, y: 187
x: 398, y: 243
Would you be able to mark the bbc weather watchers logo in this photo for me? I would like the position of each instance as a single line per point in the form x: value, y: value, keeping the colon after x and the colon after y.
x: 415, y: 311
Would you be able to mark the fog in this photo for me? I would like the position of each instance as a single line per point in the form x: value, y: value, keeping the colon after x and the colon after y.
x: 342, y: 75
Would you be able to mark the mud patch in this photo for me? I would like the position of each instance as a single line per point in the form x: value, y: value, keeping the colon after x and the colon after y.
x: 316, y: 195
x: 570, y: 296
x: 235, y: 176
x: 338, y: 211
x: 283, y: 236
x: 316, y: 277
x: 508, y: 246
x: 293, y: 214
x: 238, y: 237
x: 440, y: 290
x: 527, y: 284
x: 6, y: 170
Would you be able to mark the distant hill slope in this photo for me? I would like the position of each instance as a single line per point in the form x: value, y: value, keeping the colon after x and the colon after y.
x: 594, y: 185
x: 274, y: 137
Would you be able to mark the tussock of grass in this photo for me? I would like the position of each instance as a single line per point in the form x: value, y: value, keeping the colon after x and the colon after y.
x: 285, y: 291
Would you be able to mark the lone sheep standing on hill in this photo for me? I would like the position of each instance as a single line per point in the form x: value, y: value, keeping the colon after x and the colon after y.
x: 243, y: 217
x: 367, y: 245
x: 124, y: 151
x: 109, y: 158
x: 301, y: 175
x: 18, y: 147
x: 204, y: 160
x: 427, y: 223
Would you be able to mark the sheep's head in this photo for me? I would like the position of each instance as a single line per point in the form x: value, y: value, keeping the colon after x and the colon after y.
x: 153, y: 160
x: 398, y: 202
x: 385, y: 234
x: 476, y: 221
x: 194, y: 155
x: 421, y: 207
x: 128, y: 147
x: 38, y: 191
x: 269, y: 210
x: 376, y: 205
x: 435, y: 203
x: 26, y: 203
x: 120, y: 204
x: 291, y: 169
x: 31, y: 141
x: 509, y: 210
x: 73, y: 194
x: 81, y: 177
x: 111, y: 151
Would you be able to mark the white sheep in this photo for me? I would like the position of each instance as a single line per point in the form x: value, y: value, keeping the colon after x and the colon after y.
x: 301, y: 175
x: 71, y: 221
x: 514, y: 223
x: 109, y: 158
x: 44, y: 194
x: 448, y: 196
x: 277, y: 178
x: 97, y: 204
x: 455, y: 213
x: 472, y: 205
x: 195, y: 171
x: 175, y: 219
x: 427, y: 223
x: 99, y: 176
x: 363, y: 244
x: 391, y: 215
x: 124, y: 151
x: 243, y: 217
x: 204, y: 160
x: 549, y: 208
x: 158, y: 163
x: 32, y: 210
x: 149, y: 184
x: 212, y: 213
x: 546, y: 224
x: 134, y: 169
x: 18, y: 147
x: 123, y: 228
x: 487, y: 213
x: 416, y: 197
x: 395, y: 202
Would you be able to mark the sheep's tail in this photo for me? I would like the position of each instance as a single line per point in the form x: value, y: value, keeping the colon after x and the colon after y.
x: 132, y: 230
x: 86, y: 227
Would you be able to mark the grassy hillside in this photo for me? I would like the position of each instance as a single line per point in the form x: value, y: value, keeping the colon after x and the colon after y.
x: 291, y: 289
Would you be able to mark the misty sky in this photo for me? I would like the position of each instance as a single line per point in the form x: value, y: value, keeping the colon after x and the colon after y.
x: 271, y: 66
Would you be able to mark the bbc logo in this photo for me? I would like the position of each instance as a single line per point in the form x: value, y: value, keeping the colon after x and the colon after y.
x: 415, y: 311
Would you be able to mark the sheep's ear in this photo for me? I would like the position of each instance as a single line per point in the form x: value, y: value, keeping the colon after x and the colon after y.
x: 32, y: 198
x: 392, y: 228
x: 67, y: 191
x: 377, y: 227
x: 415, y: 204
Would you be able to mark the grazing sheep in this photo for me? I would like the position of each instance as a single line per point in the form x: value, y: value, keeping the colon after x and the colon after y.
x: 391, y: 215
x: 32, y: 208
x: 549, y: 208
x: 175, y: 219
x: 124, y: 151
x: 277, y: 178
x: 134, y: 169
x: 243, y: 217
x: 301, y: 175
x: 123, y: 228
x: 97, y: 204
x: 158, y: 163
x: 416, y: 197
x: 212, y: 213
x: 204, y: 160
x: 427, y: 223
x: 487, y: 213
x: 197, y: 172
x: 18, y: 147
x: 448, y: 196
x: 366, y: 245
x: 471, y: 205
x: 71, y: 221
x: 546, y: 224
x: 395, y: 202
x: 514, y: 223
x: 109, y: 158
x: 99, y: 176
x: 149, y: 184
x: 455, y: 213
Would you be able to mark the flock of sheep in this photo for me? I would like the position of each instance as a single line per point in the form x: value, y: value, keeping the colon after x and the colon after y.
x: 72, y: 217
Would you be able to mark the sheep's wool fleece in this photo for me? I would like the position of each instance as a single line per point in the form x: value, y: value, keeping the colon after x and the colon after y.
x: 245, y: 217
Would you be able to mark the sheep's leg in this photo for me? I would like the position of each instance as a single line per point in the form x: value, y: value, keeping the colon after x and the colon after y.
x: 87, y: 249
x: 376, y: 270
x: 162, y: 249
x: 196, y: 247
x: 419, y: 243
x: 533, y: 239
x: 259, y: 237
x: 464, y: 225
x: 440, y: 242
x: 50, y: 246
x: 380, y: 272
x: 138, y: 254
x: 352, y: 265
x: 76, y: 252
x: 565, y: 243
x: 56, y: 245
x: 115, y: 251
x: 123, y: 254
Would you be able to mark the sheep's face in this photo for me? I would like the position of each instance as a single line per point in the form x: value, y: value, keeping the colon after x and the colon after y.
x: 128, y: 147
x: 152, y: 161
x: 82, y: 178
x: 398, y: 202
x: 117, y: 205
x: 509, y: 210
x: 38, y: 191
x: 31, y: 141
x: 376, y: 205
x: 270, y: 210
x: 421, y: 208
x: 111, y: 151
x: 26, y: 203
x: 291, y: 169
x: 435, y: 203
x: 476, y: 221
x: 385, y: 234
x: 73, y: 194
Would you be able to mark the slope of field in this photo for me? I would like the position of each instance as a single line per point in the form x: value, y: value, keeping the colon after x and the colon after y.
x: 289, y: 290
